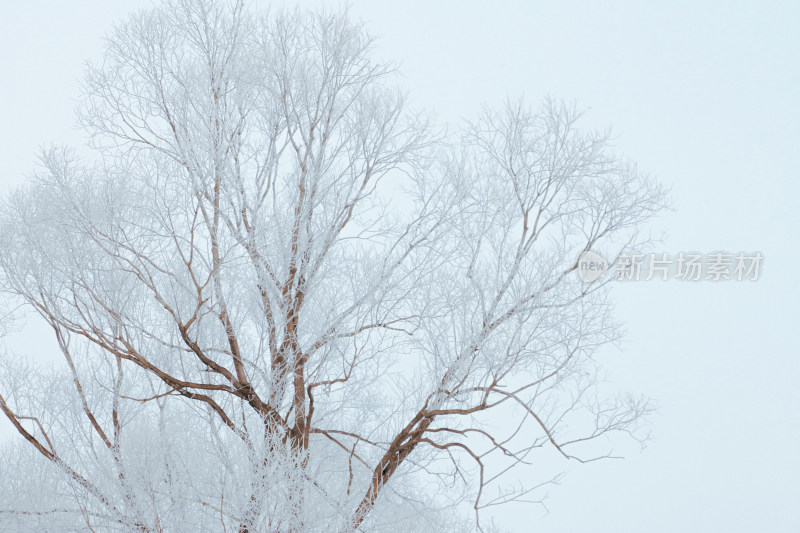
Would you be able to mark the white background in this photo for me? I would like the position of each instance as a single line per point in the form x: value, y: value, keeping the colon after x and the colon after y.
x: 704, y: 96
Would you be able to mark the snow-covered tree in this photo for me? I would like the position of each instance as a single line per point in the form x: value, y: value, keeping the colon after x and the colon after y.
x: 285, y: 302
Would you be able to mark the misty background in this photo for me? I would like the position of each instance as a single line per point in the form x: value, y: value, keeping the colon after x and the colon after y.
x: 704, y: 97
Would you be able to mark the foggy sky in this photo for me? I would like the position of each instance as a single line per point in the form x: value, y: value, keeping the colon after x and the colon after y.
x: 704, y: 96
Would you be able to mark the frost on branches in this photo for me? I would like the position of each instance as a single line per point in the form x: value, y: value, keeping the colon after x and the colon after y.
x: 286, y: 303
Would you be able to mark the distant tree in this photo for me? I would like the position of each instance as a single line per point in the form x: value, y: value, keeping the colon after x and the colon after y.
x: 284, y: 304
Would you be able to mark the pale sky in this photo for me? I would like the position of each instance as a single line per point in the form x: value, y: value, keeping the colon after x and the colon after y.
x: 704, y: 96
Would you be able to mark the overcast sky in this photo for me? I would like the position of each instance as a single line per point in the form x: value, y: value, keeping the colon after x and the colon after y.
x: 704, y: 96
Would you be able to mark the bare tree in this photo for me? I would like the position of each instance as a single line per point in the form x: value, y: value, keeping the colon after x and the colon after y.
x: 283, y: 303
